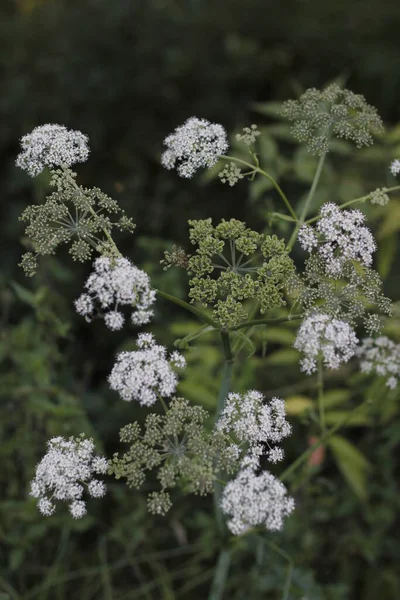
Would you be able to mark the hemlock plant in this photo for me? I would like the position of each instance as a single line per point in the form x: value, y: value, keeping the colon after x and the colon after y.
x: 245, y: 277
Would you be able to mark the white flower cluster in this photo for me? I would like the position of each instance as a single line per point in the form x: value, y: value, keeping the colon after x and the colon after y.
x: 143, y: 374
x: 68, y: 465
x: 320, y: 335
x: 194, y: 145
x: 256, y: 423
x: 51, y: 146
x: 339, y: 237
x: 113, y: 284
x: 251, y: 500
x: 382, y: 356
x: 395, y: 167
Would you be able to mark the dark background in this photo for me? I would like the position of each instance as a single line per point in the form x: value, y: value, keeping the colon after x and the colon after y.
x: 126, y: 73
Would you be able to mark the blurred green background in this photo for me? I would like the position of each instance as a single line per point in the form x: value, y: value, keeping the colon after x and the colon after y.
x: 126, y: 72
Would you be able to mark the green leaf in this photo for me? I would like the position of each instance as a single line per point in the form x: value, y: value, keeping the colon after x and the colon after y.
x: 269, y: 109
x: 336, y: 396
x: 297, y: 405
x: 24, y: 294
x: 352, y: 464
x: 386, y: 254
x: 287, y: 356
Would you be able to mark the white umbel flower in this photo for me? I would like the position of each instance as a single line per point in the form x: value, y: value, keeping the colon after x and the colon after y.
x: 395, y: 167
x: 382, y: 356
x: 251, y: 500
x: 113, y: 284
x: 320, y: 335
x: 143, y: 374
x: 51, y: 146
x: 339, y: 237
x: 195, y: 144
x: 256, y: 423
x: 67, y: 465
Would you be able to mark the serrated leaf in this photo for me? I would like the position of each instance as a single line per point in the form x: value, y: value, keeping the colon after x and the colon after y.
x: 352, y: 464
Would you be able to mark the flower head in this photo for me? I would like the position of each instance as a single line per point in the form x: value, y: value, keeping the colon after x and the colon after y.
x: 195, y: 144
x: 319, y: 115
x: 51, y: 146
x: 116, y: 283
x: 322, y: 336
x: 67, y: 465
x: 339, y: 237
x: 395, y: 167
x: 143, y: 374
x: 251, y: 500
x: 382, y: 356
x: 258, y: 424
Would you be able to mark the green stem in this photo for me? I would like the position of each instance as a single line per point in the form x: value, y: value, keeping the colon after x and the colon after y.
x: 256, y: 169
x: 303, y: 216
x: 189, y: 307
x: 304, y: 456
x: 359, y: 200
x: 220, y: 575
x: 320, y: 385
x: 93, y: 212
x: 223, y: 392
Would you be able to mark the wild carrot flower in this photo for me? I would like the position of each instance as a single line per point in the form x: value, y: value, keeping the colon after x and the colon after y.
x: 250, y: 500
x: 382, y: 356
x: 339, y: 237
x: 144, y: 374
x: 321, y: 336
x: 66, y: 468
x: 255, y: 424
x: 395, y: 167
x: 51, y: 146
x: 113, y: 284
x: 195, y: 144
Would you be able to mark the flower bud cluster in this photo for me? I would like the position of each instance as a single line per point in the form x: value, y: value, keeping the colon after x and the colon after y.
x: 115, y: 283
x: 144, y: 374
x: 331, y: 340
x: 257, y: 426
x: 317, y: 116
x: 66, y: 468
x: 339, y: 237
x: 179, y: 448
x: 233, y: 264
x: 51, y: 146
x: 382, y: 356
x: 195, y: 144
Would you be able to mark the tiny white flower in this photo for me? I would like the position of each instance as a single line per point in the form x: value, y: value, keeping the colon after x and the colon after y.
x: 381, y: 355
x: 320, y: 335
x: 195, y: 144
x: 78, y: 509
x: 395, y: 167
x: 60, y: 474
x: 251, y: 500
x: 113, y: 284
x: 51, y: 146
x: 339, y: 237
x: 255, y: 423
x: 143, y: 374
